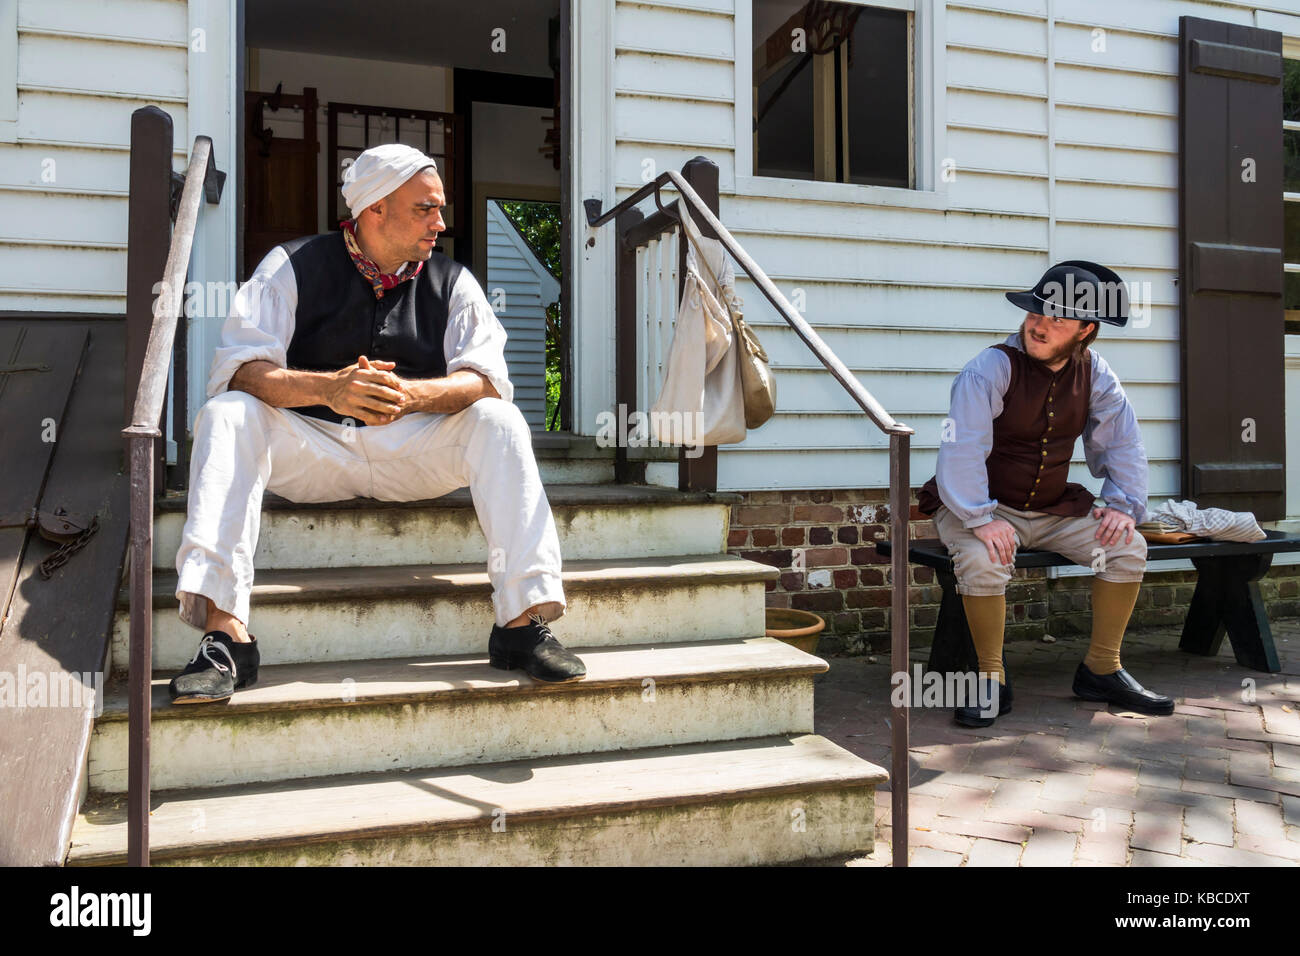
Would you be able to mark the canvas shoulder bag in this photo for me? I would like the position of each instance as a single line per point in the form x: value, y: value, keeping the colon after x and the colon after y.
x: 757, y: 382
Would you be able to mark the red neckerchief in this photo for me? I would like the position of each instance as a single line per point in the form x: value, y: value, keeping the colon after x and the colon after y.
x: 379, y: 281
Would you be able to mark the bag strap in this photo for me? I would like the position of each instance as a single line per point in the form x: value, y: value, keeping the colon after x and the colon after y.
x: 692, y: 233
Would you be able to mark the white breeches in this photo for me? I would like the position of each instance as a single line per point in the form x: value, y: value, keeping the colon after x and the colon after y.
x: 243, y: 447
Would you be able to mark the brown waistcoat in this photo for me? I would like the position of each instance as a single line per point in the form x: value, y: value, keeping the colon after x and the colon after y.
x: 1043, y: 414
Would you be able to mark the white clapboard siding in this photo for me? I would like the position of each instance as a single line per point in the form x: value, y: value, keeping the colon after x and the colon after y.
x: 83, y: 68
x: 526, y: 288
x: 1064, y: 144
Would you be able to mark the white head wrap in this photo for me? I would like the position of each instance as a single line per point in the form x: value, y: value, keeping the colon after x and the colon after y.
x: 380, y: 170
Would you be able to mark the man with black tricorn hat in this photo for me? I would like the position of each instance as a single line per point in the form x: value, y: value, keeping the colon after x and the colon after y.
x: 1001, y: 481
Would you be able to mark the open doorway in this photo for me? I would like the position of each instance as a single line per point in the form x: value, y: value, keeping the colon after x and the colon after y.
x: 482, y: 90
x: 520, y: 252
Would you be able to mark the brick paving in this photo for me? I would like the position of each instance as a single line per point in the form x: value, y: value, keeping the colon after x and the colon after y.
x: 1066, y: 782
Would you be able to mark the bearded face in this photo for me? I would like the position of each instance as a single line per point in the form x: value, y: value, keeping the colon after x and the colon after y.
x: 1051, y: 339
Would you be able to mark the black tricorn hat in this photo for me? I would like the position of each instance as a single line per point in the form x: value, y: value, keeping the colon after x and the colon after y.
x: 1077, y: 289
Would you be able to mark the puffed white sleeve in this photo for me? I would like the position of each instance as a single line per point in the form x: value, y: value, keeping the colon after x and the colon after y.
x: 260, y: 323
x: 1112, y: 444
x: 475, y: 337
x: 961, y: 471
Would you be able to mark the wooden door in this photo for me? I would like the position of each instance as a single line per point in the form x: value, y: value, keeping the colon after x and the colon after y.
x: 280, y: 174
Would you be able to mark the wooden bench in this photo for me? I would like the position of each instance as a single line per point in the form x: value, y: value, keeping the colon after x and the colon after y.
x: 1226, y: 599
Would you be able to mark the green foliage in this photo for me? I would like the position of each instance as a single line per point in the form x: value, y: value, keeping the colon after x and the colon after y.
x: 539, y: 224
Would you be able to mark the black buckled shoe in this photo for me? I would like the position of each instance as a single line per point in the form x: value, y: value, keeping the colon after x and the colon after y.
x: 1120, y: 689
x: 974, y: 715
x: 535, y: 649
x: 219, y: 667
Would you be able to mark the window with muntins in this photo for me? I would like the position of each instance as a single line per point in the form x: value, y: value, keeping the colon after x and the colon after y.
x: 833, y: 92
x: 1291, y: 191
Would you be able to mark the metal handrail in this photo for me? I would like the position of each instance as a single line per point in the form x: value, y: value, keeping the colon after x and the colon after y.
x: 201, y: 177
x: 900, y: 500
x: 884, y: 421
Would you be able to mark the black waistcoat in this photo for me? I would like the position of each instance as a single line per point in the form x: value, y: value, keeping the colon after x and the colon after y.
x: 338, y: 317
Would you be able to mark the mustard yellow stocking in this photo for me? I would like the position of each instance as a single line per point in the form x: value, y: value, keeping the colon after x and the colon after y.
x: 987, y: 616
x: 1112, y: 606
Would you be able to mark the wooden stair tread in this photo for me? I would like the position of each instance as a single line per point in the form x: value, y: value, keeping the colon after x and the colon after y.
x: 319, y: 685
x: 378, y: 805
x: 566, y: 495
x: 285, y: 585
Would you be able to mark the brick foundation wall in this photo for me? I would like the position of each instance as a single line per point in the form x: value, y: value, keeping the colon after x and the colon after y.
x: 823, y: 544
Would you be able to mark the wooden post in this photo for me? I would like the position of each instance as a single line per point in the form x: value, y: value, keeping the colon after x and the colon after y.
x: 625, y: 370
x: 700, y: 473
x: 139, y: 693
x: 900, y: 513
x: 148, y: 236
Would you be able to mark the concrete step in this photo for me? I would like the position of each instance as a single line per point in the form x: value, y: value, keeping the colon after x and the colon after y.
x: 310, y: 720
x: 564, y: 458
x: 408, y: 611
x: 742, y: 802
x: 593, y: 521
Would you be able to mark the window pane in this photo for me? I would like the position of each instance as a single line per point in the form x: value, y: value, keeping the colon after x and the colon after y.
x: 785, y: 129
x: 1291, y: 302
x: 1291, y: 292
x: 1291, y: 231
x: 878, y: 126
x: 1291, y: 89
x: 783, y: 106
x: 1291, y: 161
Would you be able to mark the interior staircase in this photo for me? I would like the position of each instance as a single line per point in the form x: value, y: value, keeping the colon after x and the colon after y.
x: 377, y: 734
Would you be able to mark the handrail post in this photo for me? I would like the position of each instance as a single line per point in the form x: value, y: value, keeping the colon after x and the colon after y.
x: 147, y: 396
x: 139, y: 699
x: 625, y: 370
x: 148, y: 235
x: 701, y: 472
x: 900, y: 513
x: 148, y: 238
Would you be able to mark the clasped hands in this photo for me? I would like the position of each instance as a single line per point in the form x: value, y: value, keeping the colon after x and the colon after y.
x: 999, y: 537
x: 371, y: 392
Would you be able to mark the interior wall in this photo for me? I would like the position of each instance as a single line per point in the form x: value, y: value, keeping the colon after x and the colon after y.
x: 506, y: 140
x: 344, y: 80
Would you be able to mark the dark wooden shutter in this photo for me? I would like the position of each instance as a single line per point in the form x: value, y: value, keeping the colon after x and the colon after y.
x: 1232, y: 353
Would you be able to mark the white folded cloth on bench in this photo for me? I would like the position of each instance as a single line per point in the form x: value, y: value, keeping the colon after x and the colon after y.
x: 1215, y: 523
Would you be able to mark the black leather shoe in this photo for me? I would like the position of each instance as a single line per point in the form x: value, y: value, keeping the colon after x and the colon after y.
x: 219, y: 667
x: 973, y: 715
x: 1120, y: 689
x: 535, y: 649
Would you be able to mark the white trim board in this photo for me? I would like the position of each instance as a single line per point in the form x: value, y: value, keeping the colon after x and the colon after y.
x: 592, y: 177
x: 929, y: 110
x: 8, y: 71
x: 213, y: 95
x: 1288, y: 26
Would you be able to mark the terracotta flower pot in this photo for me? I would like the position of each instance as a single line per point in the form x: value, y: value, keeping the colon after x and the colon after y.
x: 797, y: 628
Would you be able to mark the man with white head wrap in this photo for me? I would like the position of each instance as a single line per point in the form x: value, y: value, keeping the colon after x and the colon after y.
x: 367, y: 328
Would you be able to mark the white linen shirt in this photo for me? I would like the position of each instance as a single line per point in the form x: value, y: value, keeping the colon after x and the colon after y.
x: 260, y: 326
